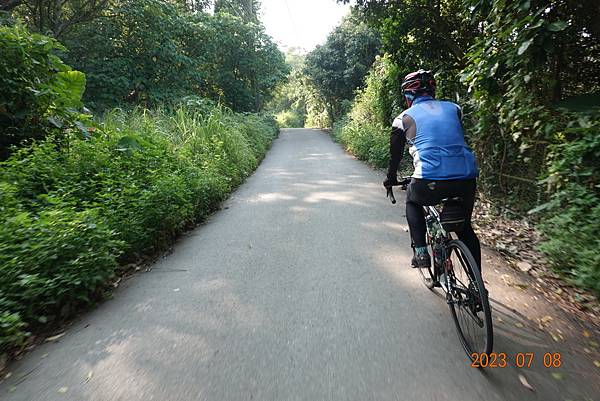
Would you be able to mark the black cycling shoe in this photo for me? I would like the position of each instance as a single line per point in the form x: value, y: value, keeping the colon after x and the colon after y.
x: 421, y: 261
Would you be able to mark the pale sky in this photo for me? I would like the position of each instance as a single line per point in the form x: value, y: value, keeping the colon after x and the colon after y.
x: 301, y: 23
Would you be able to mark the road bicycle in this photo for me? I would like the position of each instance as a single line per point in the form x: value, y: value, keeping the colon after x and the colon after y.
x: 455, y: 271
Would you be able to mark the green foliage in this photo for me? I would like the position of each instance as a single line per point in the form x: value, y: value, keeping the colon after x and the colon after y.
x: 338, y: 67
x: 146, y: 65
x: 12, y: 330
x: 513, y: 86
x: 194, y: 5
x: 40, y: 94
x: 53, y: 260
x: 366, y: 130
x: 369, y: 142
x: 69, y: 215
x: 173, y: 53
x: 243, y: 66
x: 378, y: 102
x: 573, y: 236
x: 247, y: 10
x: 289, y: 119
x: 54, y: 18
x: 571, y: 215
x: 430, y: 34
x: 297, y: 102
x: 528, y: 85
x: 79, y: 197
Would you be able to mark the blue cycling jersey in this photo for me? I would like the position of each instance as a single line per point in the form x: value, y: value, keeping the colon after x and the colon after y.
x: 438, y: 149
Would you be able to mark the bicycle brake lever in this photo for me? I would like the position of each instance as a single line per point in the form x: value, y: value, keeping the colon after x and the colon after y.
x: 390, y: 194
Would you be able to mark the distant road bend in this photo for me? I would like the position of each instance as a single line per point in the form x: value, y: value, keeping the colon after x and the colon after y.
x: 299, y: 289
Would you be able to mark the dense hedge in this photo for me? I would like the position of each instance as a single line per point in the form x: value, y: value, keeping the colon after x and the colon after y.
x: 70, y: 214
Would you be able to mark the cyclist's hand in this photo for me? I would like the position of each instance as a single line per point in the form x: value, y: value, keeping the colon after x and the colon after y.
x: 405, y: 183
x: 390, y: 181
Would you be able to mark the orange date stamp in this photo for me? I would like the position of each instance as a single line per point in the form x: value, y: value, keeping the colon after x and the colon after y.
x: 520, y: 360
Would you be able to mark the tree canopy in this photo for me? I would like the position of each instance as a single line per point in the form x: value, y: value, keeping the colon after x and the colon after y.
x: 338, y: 67
x: 56, y: 17
x: 174, y: 53
x: 211, y: 48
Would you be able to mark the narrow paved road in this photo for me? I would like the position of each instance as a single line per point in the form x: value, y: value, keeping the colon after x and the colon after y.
x: 299, y: 289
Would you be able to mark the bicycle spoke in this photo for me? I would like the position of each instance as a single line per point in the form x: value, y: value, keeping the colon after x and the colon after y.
x: 473, y: 316
x: 472, y: 319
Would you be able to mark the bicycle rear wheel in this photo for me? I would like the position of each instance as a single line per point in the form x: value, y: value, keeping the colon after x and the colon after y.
x: 468, y: 301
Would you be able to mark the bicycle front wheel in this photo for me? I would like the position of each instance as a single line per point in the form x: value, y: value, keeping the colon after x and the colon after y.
x: 468, y: 300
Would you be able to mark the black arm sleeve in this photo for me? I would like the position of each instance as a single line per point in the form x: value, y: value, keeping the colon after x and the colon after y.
x: 397, y: 143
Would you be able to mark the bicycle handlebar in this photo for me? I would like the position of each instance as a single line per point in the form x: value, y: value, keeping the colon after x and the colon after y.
x: 403, y: 184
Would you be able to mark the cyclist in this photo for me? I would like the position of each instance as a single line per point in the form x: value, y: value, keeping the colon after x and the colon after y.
x: 444, y: 166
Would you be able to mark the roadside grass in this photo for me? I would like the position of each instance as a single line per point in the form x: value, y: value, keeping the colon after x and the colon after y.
x: 71, y: 213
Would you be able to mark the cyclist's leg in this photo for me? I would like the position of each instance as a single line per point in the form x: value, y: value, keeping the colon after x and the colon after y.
x: 416, y: 222
x: 427, y: 192
x: 467, y: 235
x: 419, y: 193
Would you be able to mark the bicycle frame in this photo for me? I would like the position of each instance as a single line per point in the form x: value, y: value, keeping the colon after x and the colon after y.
x: 440, y: 235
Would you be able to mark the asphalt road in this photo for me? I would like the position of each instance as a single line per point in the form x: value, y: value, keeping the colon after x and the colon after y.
x: 299, y: 289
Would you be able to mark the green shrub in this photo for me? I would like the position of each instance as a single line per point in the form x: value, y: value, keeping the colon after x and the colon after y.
x: 259, y: 131
x: 573, y: 235
x: 368, y: 142
x: 570, y: 218
x: 77, y: 196
x: 69, y: 215
x: 40, y: 94
x: 365, y: 132
x: 289, y: 119
x: 12, y: 329
x: 53, y: 261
